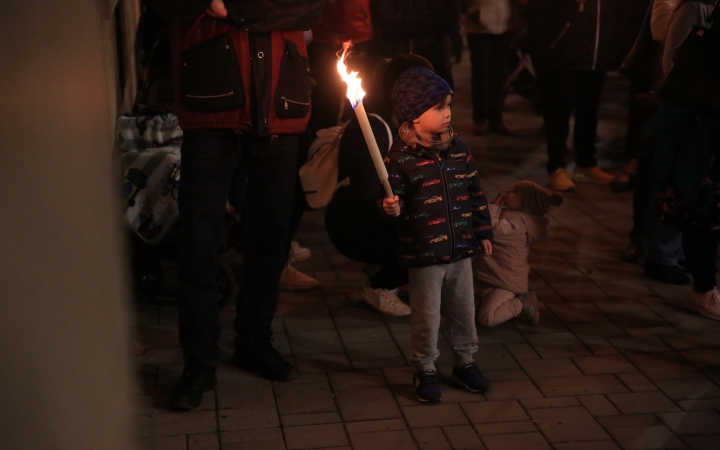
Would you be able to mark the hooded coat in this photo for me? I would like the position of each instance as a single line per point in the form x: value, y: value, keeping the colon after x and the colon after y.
x: 514, y: 232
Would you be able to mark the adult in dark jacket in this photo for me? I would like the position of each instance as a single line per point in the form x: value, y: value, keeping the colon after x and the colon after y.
x: 243, y: 93
x: 352, y: 220
x: 423, y: 27
x: 574, y: 44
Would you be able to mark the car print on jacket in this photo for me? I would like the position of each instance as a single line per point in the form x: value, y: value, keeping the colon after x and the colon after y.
x: 439, y: 210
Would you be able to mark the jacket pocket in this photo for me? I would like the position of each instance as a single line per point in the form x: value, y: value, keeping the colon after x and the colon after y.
x: 210, y: 76
x: 292, y: 93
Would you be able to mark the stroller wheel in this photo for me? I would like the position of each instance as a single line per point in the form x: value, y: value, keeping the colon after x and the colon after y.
x: 227, y: 284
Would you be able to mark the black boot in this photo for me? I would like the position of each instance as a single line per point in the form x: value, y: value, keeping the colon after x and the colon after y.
x: 261, y: 357
x: 666, y: 274
x: 194, y: 381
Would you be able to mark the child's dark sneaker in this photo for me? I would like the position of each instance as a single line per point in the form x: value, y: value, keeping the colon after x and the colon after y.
x: 469, y: 376
x: 426, y: 387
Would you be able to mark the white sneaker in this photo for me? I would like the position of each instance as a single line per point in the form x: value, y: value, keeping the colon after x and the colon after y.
x: 707, y: 304
x: 385, y: 301
x: 292, y: 279
x: 297, y: 253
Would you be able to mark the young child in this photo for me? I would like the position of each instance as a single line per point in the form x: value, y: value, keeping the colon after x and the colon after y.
x: 502, y: 280
x: 443, y: 221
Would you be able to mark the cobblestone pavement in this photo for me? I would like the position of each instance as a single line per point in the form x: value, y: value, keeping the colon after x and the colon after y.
x: 616, y: 362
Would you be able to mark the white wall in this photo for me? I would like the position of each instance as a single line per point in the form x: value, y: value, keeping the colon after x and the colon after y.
x: 65, y: 373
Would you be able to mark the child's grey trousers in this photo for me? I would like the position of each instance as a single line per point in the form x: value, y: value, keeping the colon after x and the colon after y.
x: 446, y: 288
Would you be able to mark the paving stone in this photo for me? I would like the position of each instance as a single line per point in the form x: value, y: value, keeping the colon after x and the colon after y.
x: 206, y: 441
x: 703, y: 442
x: 164, y: 443
x: 663, y: 366
x: 642, y: 402
x: 330, y: 362
x: 597, y: 330
x: 365, y: 335
x: 315, y: 436
x: 374, y: 350
x: 637, y: 382
x: 583, y: 385
x: 367, y: 404
x: 386, y: 440
x: 304, y: 398
x: 700, y: 403
x: 193, y: 422
x: 582, y: 291
x: 646, y: 438
x: 265, y: 438
x: 397, y: 376
x: 375, y: 425
x: 639, y: 344
x: 686, y: 341
x: 512, y: 389
x: 703, y: 357
x: 523, y: 441
x: 317, y: 341
x: 501, y: 334
x: 689, y: 389
x: 577, y: 312
x: 341, y: 381
x: 553, y: 402
x: 462, y: 437
x: 291, y: 420
x: 543, y: 368
x: 248, y: 418
x: 503, y: 411
x: 438, y: 415
x: 595, y: 445
x: 495, y: 357
x: 522, y: 351
x: 573, y: 424
x: 631, y: 420
x: 692, y: 422
x: 599, y: 346
x: 488, y: 429
x: 431, y: 439
x: 495, y: 375
x: 256, y: 396
x: 598, y: 405
x: 594, y: 365
x: 368, y: 364
x: 309, y: 323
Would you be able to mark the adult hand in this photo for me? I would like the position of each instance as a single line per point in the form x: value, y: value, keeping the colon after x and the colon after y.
x: 392, y: 206
x: 217, y: 9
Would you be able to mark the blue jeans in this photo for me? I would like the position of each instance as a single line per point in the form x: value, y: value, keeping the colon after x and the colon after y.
x: 209, y: 161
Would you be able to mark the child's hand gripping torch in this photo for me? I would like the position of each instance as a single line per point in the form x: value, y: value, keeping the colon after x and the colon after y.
x: 355, y: 94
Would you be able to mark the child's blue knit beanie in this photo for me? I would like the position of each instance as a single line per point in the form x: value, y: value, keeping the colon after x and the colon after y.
x: 416, y: 91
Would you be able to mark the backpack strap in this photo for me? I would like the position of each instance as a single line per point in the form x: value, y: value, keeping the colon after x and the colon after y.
x: 387, y: 127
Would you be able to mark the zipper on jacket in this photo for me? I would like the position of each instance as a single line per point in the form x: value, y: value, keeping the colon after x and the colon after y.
x: 449, y: 210
x: 287, y: 100
x: 560, y: 36
x: 597, y: 35
x: 228, y: 94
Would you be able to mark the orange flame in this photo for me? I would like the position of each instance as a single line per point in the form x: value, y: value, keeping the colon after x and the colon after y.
x: 354, y: 90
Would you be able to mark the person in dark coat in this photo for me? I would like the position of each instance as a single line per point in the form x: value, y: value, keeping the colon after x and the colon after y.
x: 574, y: 44
x: 243, y: 93
x: 351, y: 219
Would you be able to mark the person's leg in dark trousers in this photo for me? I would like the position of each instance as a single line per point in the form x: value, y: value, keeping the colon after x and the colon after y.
x: 271, y: 164
x: 479, y: 47
x: 558, y: 95
x: 500, y: 46
x: 209, y: 159
x: 700, y: 248
x: 587, y: 101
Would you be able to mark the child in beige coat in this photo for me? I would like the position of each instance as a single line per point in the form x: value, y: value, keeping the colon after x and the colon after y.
x: 501, y: 280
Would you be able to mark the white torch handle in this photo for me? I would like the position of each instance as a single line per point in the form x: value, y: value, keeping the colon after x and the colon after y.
x: 373, y: 147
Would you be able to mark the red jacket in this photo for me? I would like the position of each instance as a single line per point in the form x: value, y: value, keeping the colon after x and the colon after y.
x: 344, y: 20
x: 248, y: 72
